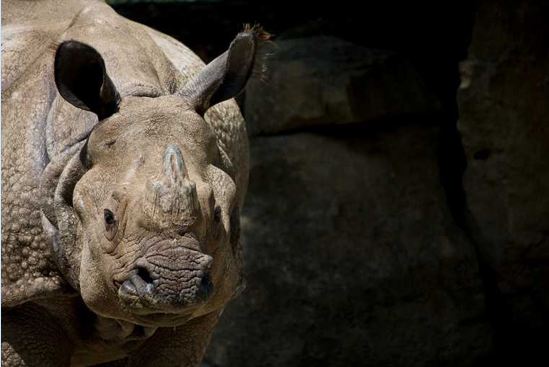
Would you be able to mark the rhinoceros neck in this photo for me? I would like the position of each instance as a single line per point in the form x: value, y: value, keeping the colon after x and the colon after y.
x: 27, y: 269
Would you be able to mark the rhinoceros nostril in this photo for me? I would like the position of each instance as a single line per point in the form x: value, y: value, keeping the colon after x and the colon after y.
x: 144, y: 274
x: 206, y: 287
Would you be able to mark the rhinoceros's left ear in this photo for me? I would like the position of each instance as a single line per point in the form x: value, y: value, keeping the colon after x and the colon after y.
x: 227, y: 75
x: 82, y: 80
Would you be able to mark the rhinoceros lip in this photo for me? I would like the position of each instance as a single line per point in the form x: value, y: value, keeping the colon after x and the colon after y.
x: 141, y: 291
x: 140, y: 298
x: 135, y: 286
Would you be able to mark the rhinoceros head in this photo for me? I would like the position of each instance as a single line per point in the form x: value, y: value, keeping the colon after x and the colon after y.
x: 145, y: 210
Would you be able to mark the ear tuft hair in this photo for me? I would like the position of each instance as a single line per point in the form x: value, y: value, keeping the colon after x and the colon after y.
x: 265, y: 50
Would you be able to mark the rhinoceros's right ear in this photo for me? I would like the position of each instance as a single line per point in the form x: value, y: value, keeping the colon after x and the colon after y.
x: 82, y: 79
x: 227, y: 75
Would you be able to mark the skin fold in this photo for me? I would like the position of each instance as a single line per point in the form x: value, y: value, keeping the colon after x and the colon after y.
x: 125, y: 165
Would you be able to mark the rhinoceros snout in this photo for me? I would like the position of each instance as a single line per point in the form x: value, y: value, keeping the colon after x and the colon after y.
x: 170, y: 281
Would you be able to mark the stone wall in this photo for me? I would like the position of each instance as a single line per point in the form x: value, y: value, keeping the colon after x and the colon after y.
x: 504, y: 124
x: 353, y: 257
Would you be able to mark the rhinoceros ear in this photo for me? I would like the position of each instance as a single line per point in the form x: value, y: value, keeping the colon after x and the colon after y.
x: 227, y: 75
x: 82, y: 80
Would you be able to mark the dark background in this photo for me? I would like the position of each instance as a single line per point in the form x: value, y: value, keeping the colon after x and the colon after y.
x: 398, y: 214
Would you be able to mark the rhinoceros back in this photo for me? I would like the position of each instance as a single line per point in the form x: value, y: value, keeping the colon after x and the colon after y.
x: 40, y: 130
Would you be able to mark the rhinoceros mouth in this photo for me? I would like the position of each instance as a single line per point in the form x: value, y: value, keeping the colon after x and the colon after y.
x: 144, y: 298
x: 169, y: 278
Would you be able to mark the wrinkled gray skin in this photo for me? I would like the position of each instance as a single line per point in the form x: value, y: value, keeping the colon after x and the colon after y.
x: 120, y: 201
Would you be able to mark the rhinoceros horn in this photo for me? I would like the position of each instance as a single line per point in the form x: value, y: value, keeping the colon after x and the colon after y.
x: 171, y: 196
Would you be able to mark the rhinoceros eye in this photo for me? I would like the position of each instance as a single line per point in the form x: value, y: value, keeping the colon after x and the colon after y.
x: 110, y: 224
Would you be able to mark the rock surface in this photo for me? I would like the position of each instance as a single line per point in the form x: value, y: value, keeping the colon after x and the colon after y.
x: 325, y: 80
x: 352, y: 258
x: 504, y: 124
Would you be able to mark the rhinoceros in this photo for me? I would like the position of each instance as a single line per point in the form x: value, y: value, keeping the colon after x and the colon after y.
x: 124, y: 168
